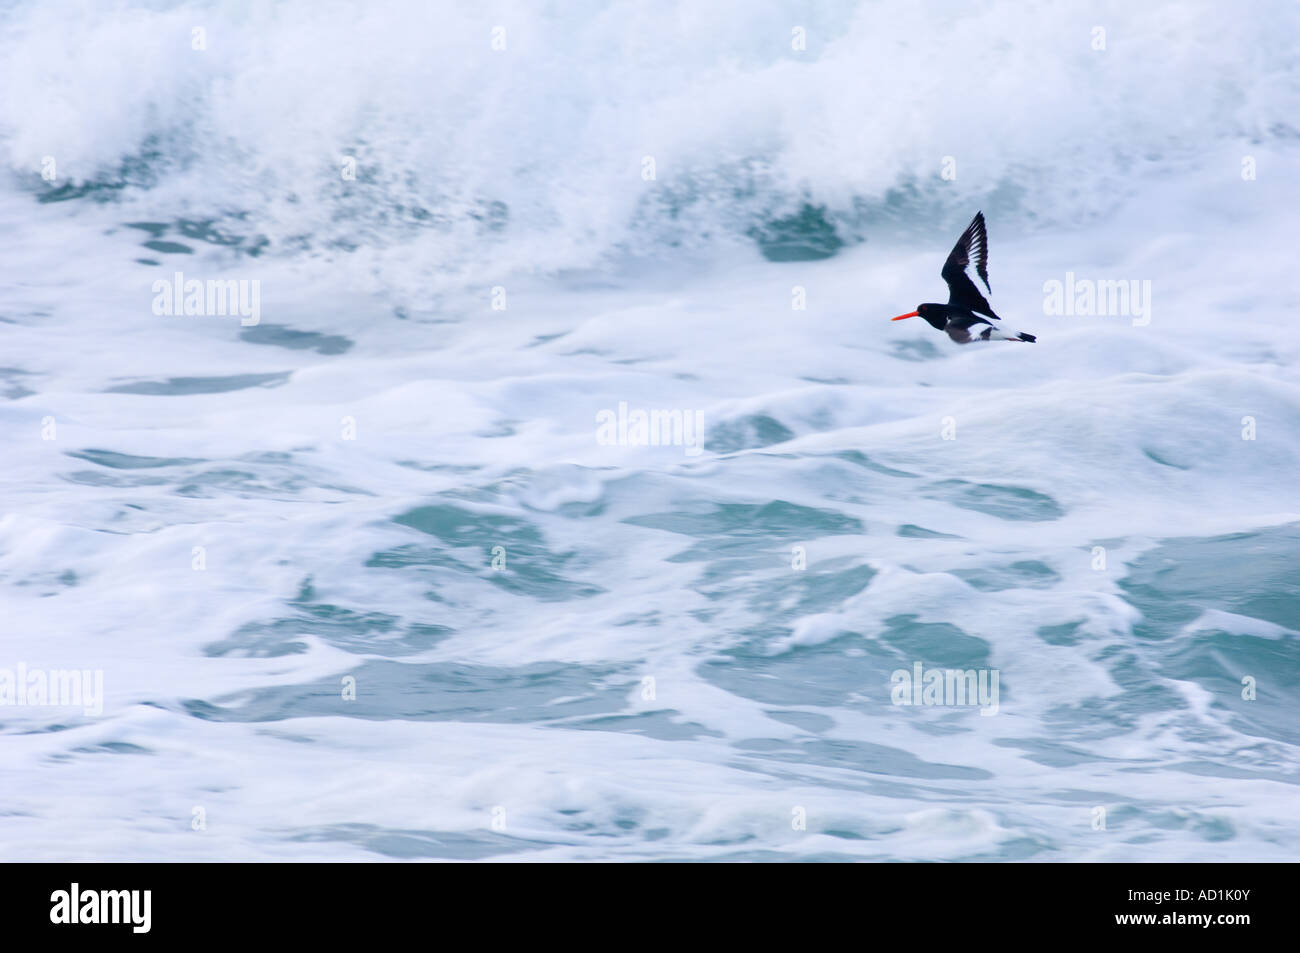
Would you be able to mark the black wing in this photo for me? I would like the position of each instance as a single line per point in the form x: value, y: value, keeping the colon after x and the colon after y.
x: 963, y: 292
x: 966, y: 322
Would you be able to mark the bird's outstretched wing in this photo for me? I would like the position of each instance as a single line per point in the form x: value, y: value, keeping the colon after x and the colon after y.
x: 973, y: 244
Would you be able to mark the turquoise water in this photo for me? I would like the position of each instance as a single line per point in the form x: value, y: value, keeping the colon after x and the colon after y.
x: 387, y: 574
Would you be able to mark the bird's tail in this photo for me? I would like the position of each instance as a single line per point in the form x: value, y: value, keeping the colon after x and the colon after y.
x: 1006, y: 334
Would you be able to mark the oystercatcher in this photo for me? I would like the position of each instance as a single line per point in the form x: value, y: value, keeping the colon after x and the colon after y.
x: 960, y: 317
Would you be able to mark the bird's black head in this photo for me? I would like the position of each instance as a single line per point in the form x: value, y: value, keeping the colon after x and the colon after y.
x: 936, y: 314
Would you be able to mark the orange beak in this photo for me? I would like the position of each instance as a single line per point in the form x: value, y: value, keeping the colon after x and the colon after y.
x: 910, y: 314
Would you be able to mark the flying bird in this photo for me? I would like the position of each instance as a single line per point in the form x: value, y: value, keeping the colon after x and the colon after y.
x: 960, y: 317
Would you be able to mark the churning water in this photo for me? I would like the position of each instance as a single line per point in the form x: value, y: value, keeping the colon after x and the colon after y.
x: 383, y: 563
